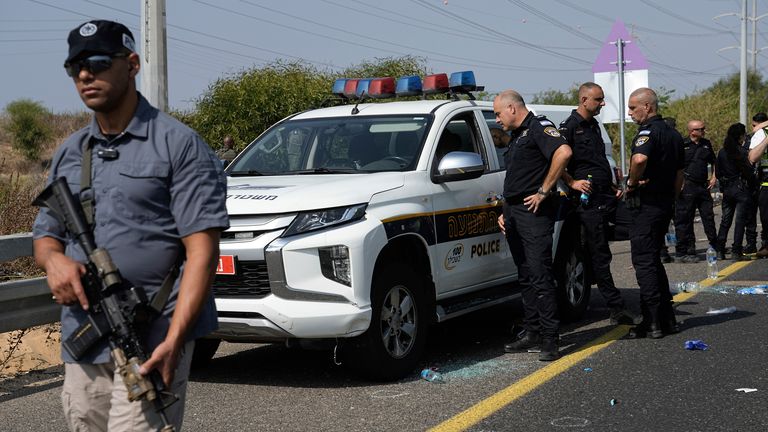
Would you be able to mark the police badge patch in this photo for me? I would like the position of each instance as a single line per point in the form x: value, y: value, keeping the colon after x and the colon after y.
x: 641, y: 140
x: 88, y: 29
x: 551, y: 131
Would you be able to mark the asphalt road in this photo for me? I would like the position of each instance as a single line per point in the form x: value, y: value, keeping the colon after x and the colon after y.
x: 657, y: 384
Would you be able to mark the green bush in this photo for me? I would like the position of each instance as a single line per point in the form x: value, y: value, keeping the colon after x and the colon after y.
x: 28, y: 125
x: 246, y: 104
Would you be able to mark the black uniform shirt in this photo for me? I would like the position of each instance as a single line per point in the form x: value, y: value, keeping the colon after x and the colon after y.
x: 729, y: 169
x: 664, y: 148
x: 588, y: 147
x: 528, y: 156
x: 697, y: 156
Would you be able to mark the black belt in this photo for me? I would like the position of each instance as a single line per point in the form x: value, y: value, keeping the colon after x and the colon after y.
x: 700, y: 183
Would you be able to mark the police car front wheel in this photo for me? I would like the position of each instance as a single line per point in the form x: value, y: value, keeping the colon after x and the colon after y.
x: 395, y: 340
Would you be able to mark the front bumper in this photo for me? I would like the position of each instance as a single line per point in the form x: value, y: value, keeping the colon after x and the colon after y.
x: 300, y: 302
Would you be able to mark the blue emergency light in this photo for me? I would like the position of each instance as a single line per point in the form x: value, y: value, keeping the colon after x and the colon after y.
x: 338, y: 87
x: 362, y: 87
x: 463, y: 81
x: 437, y: 83
x: 381, y: 88
x: 408, y: 86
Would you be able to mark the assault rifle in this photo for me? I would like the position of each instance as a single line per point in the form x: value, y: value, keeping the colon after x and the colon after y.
x: 118, y: 310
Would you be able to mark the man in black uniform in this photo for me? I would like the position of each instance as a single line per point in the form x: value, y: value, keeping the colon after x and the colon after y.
x: 588, y: 172
x: 655, y: 179
x: 535, y: 159
x: 750, y: 230
x: 696, y: 193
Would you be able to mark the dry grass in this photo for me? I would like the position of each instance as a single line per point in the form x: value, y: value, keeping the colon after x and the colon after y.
x: 22, y: 180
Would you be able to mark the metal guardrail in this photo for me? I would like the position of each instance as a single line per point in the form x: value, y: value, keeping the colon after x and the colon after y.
x: 25, y: 303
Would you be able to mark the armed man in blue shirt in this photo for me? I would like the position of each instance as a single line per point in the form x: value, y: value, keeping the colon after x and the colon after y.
x: 154, y: 196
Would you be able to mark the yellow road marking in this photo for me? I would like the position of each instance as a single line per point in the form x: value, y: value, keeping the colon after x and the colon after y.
x: 487, y: 407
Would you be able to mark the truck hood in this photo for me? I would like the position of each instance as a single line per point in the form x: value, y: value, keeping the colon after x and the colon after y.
x: 288, y: 194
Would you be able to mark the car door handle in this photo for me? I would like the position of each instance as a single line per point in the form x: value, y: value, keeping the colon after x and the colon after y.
x: 494, y: 198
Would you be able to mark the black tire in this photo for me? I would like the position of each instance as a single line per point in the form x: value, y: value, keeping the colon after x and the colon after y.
x: 205, y: 349
x: 572, y: 276
x: 395, y: 340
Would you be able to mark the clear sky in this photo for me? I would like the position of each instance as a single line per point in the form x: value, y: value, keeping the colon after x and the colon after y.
x: 529, y: 45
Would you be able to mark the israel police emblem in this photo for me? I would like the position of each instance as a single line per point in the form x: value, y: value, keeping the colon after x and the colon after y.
x: 551, y: 131
x: 88, y: 29
x: 641, y: 140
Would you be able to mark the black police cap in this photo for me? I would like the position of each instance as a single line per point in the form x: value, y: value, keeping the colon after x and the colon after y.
x: 99, y: 37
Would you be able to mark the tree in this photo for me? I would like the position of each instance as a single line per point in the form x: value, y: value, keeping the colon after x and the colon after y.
x: 246, y: 104
x: 557, y: 97
x: 28, y: 125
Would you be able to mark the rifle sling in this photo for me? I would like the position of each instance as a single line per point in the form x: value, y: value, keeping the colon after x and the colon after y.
x: 86, y: 199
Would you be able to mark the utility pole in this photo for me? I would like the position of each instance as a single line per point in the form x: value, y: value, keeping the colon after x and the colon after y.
x: 154, y: 76
x: 754, y: 35
x: 620, y: 64
x: 743, y: 65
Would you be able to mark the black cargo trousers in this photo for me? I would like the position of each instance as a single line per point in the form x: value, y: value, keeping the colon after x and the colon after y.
x: 650, y: 222
x: 693, y: 196
x: 529, y: 236
x: 595, y: 217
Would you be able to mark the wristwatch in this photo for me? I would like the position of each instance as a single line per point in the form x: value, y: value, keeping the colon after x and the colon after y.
x: 541, y: 192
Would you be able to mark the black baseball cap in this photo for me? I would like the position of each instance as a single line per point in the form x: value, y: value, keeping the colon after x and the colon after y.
x: 99, y: 37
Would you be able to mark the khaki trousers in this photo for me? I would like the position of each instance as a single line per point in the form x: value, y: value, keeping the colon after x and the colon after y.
x: 94, y: 399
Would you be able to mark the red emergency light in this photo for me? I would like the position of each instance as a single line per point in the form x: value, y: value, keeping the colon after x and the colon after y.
x: 350, y: 88
x: 437, y: 83
x: 381, y: 88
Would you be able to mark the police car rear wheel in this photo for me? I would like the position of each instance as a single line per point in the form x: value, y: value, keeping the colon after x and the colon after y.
x: 573, y: 284
x: 395, y: 340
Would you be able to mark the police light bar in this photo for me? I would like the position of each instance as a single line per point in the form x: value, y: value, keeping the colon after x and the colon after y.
x: 381, y: 88
x: 350, y: 88
x: 408, y: 86
x: 338, y: 87
x: 463, y: 81
x: 437, y: 83
x: 362, y: 87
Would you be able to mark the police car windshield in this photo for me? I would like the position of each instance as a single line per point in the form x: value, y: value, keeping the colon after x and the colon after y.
x: 337, y: 145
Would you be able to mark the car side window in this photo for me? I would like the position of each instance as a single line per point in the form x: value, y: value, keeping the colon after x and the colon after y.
x: 461, y: 134
x: 500, y: 138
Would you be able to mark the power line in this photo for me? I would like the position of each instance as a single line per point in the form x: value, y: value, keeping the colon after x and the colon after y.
x: 595, y: 14
x: 559, y: 24
x: 675, y: 15
x: 512, y: 39
x: 464, y: 60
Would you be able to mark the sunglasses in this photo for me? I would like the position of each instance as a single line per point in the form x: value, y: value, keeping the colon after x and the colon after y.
x: 94, y: 64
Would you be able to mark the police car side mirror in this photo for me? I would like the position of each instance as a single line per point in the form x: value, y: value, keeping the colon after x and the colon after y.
x: 458, y: 165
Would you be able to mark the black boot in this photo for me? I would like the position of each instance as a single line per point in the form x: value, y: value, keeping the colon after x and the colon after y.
x: 654, y: 332
x: 549, y: 350
x: 530, y: 340
x: 624, y: 316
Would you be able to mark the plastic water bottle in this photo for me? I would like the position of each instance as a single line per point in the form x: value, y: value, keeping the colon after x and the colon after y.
x: 432, y: 375
x: 584, y: 198
x: 670, y: 238
x: 711, y: 263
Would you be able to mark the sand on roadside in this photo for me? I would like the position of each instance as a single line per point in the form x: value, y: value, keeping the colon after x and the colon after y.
x: 36, y: 348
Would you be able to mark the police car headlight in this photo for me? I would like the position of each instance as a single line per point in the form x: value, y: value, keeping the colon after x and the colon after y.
x: 334, y: 263
x: 326, y: 218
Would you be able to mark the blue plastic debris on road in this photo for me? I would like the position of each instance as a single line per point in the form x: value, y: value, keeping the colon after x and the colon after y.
x: 696, y: 345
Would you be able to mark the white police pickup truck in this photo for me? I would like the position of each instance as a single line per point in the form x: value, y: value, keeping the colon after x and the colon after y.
x: 363, y: 224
